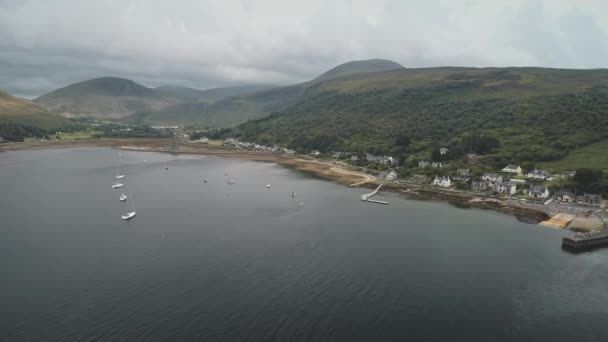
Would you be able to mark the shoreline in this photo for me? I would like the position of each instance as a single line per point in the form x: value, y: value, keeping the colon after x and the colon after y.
x: 328, y: 170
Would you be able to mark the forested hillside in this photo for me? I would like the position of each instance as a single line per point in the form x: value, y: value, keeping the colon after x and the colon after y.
x: 235, y: 110
x: 20, y: 118
x: 535, y: 114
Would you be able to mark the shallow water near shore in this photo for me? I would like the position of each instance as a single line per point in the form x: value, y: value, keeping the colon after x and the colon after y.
x: 241, y: 262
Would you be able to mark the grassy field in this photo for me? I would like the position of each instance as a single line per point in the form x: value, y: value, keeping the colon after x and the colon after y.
x: 80, y: 135
x: 592, y: 156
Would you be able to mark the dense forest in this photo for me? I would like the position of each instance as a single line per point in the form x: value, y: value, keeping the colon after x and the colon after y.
x: 459, y: 112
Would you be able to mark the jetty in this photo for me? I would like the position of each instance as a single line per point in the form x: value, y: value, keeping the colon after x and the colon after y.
x: 367, y: 197
x: 585, y: 241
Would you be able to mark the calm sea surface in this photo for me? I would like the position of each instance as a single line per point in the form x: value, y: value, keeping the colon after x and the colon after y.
x: 219, y: 262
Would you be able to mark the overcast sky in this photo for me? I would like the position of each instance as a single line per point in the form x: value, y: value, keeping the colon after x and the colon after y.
x: 47, y: 44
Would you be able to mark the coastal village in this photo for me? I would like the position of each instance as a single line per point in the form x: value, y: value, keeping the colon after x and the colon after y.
x: 512, y: 184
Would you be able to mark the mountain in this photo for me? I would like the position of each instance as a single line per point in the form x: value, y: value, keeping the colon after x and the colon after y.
x: 358, y: 67
x: 238, y: 109
x: 535, y: 114
x: 26, y: 113
x: 105, y: 97
x: 213, y: 94
x: 185, y: 93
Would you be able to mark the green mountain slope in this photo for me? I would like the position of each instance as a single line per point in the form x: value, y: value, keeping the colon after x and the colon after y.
x: 26, y: 113
x: 105, y: 97
x: 234, y: 110
x: 536, y: 114
x: 213, y: 94
x: 358, y: 67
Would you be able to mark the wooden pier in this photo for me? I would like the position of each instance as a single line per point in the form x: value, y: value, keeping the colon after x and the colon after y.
x: 585, y: 241
x: 367, y: 197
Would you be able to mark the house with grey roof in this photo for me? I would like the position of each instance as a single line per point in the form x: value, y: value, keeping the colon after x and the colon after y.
x: 565, y: 196
x: 538, y: 191
x: 492, y: 177
x: 593, y: 199
x: 479, y: 186
x: 505, y: 188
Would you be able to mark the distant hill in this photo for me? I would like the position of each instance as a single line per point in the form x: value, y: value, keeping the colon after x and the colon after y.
x: 185, y: 93
x: 238, y: 109
x: 213, y: 94
x: 105, y: 97
x: 536, y: 114
x: 358, y: 67
x: 119, y: 98
x: 24, y: 112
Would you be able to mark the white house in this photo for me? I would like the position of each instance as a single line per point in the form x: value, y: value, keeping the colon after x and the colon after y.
x: 443, y: 151
x: 315, y: 153
x: 492, y: 177
x: 422, y: 164
x: 463, y: 172
x: 391, y: 175
x: 565, y: 196
x: 513, y: 169
x: 539, y: 174
x: 505, y: 188
x: 443, y: 182
x: 538, y: 191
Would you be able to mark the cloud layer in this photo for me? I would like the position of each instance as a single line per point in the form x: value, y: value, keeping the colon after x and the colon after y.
x: 49, y: 44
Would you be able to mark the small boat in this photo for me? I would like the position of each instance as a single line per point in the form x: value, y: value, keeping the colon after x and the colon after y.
x: 205, y: 180
x: 166, y: 167
x: 301, y: 203
x: 230, y: 182
x: 129, y: 215
x: 267, y: 186
x: 120, y: 176
x: 117, y: 185
x: 293, y: 195
x: 123, y: 197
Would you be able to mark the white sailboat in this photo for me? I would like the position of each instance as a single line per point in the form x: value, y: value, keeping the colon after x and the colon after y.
x: 129, y: 215
x: 117, y: 185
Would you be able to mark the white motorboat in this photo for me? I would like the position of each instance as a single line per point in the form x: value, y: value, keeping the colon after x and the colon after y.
x: 267, y: 186
x: 205, y: 180
x: 230, y: 182
x: 117, y: 185
x: 129, y: 215
x: 166, y: 167
x: 123, y: 197
x: 120, y: 176
x: 293, y: 195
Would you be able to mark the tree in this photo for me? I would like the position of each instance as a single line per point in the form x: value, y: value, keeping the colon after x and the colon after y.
x: 584, y: 178
x: 403, y: 141
x: 436, y: 155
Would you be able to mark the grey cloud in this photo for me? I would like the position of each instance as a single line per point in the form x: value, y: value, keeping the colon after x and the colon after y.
x: 48, y: 44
